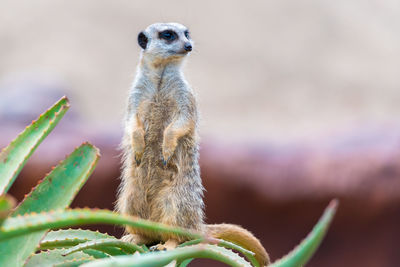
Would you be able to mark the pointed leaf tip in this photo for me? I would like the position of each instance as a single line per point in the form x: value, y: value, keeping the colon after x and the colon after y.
x: 56, y: 191
x: 64, y: 97
x: 15, y: 155
x: 301, y: 254
x: 333, y: 204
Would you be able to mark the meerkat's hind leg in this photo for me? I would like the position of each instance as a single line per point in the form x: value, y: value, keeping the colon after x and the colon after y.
x: 169, y: 245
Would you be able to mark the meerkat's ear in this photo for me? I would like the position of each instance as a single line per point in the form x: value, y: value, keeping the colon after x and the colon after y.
x: 142, y: 40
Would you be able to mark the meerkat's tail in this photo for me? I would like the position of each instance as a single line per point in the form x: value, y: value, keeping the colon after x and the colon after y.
x: 240, y: 236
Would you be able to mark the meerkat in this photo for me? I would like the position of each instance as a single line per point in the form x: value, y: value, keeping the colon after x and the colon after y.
x: 160, y: 171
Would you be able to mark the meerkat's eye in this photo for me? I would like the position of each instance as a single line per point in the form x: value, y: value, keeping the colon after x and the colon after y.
x: 187, y: 34
x: 168, y: 35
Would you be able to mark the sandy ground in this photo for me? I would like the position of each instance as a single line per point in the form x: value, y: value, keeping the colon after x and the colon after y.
x: 262, y: 69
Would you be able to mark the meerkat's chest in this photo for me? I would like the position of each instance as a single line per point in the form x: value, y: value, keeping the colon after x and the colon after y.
x: 161, y: 102
x: 158, y: 111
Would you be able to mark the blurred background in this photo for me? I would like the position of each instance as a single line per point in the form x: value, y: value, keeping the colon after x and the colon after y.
x: 299, y: 102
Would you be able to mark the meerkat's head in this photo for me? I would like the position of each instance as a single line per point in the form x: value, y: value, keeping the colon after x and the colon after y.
x: 165, y: 41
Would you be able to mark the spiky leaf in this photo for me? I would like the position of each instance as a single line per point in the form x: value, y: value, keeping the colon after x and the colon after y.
x: 72, y: 263
x: 6, y: 204
x: 61, y: 185
x: 50, y: 258
x: 185, y: 263
x: 105, y: 245
x: 226, y: 244
x: 15, y: 155
x: 16, y: 226
x: 304, y: 251
x: 56, y: 191
x: 70, y: 237
x: 96, y: 253
x: 162, y: 258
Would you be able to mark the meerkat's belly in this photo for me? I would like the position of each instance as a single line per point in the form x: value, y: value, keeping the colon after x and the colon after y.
x: 152, y: 176
x: 159, y: 113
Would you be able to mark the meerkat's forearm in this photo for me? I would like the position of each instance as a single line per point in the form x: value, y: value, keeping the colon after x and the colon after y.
x: 174, y: 131
x: 137, y: 137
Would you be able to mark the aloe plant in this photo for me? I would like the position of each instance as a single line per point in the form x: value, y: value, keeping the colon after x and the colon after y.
x: 15, y: 155
x: 30, y: 233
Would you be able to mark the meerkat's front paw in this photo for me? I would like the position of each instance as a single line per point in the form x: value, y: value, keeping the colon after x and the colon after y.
x: 168, y: 149
x: 138, y: 157
x: 138, y: 145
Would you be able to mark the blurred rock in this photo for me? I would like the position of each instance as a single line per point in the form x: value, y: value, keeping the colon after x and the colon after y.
x: 362, y: 163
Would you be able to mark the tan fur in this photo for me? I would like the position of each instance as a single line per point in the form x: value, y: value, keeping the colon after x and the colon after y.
x: 161, y: 175
x: 240, y: 236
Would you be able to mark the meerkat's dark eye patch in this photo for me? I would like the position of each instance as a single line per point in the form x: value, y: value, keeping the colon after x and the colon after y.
x: 168, y: 35
x: 187, y: 35
x: 142, y: 40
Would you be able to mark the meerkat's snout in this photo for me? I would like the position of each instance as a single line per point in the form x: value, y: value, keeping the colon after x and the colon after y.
x: 188, y: 47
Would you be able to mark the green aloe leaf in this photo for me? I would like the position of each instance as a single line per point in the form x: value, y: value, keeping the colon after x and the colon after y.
x: 105, y: 244
x: 162, y: 258
x: 226, y: 244
x: 6, y: 204
x: 61, y: 185
x: 15, y: 155
x: 304, y: 251
x: 72, y: 263
x: 56, y: 191
x: 56, y: 256
x: 22, y: 225
x: 96, y: 253
x: 69, y: 238
x: 185, y: 263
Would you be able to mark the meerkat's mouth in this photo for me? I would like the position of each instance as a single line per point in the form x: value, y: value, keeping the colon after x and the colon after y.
x: 181, y: 52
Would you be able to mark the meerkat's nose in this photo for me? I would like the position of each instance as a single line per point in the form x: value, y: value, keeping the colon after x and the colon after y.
x: 188, y: 47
